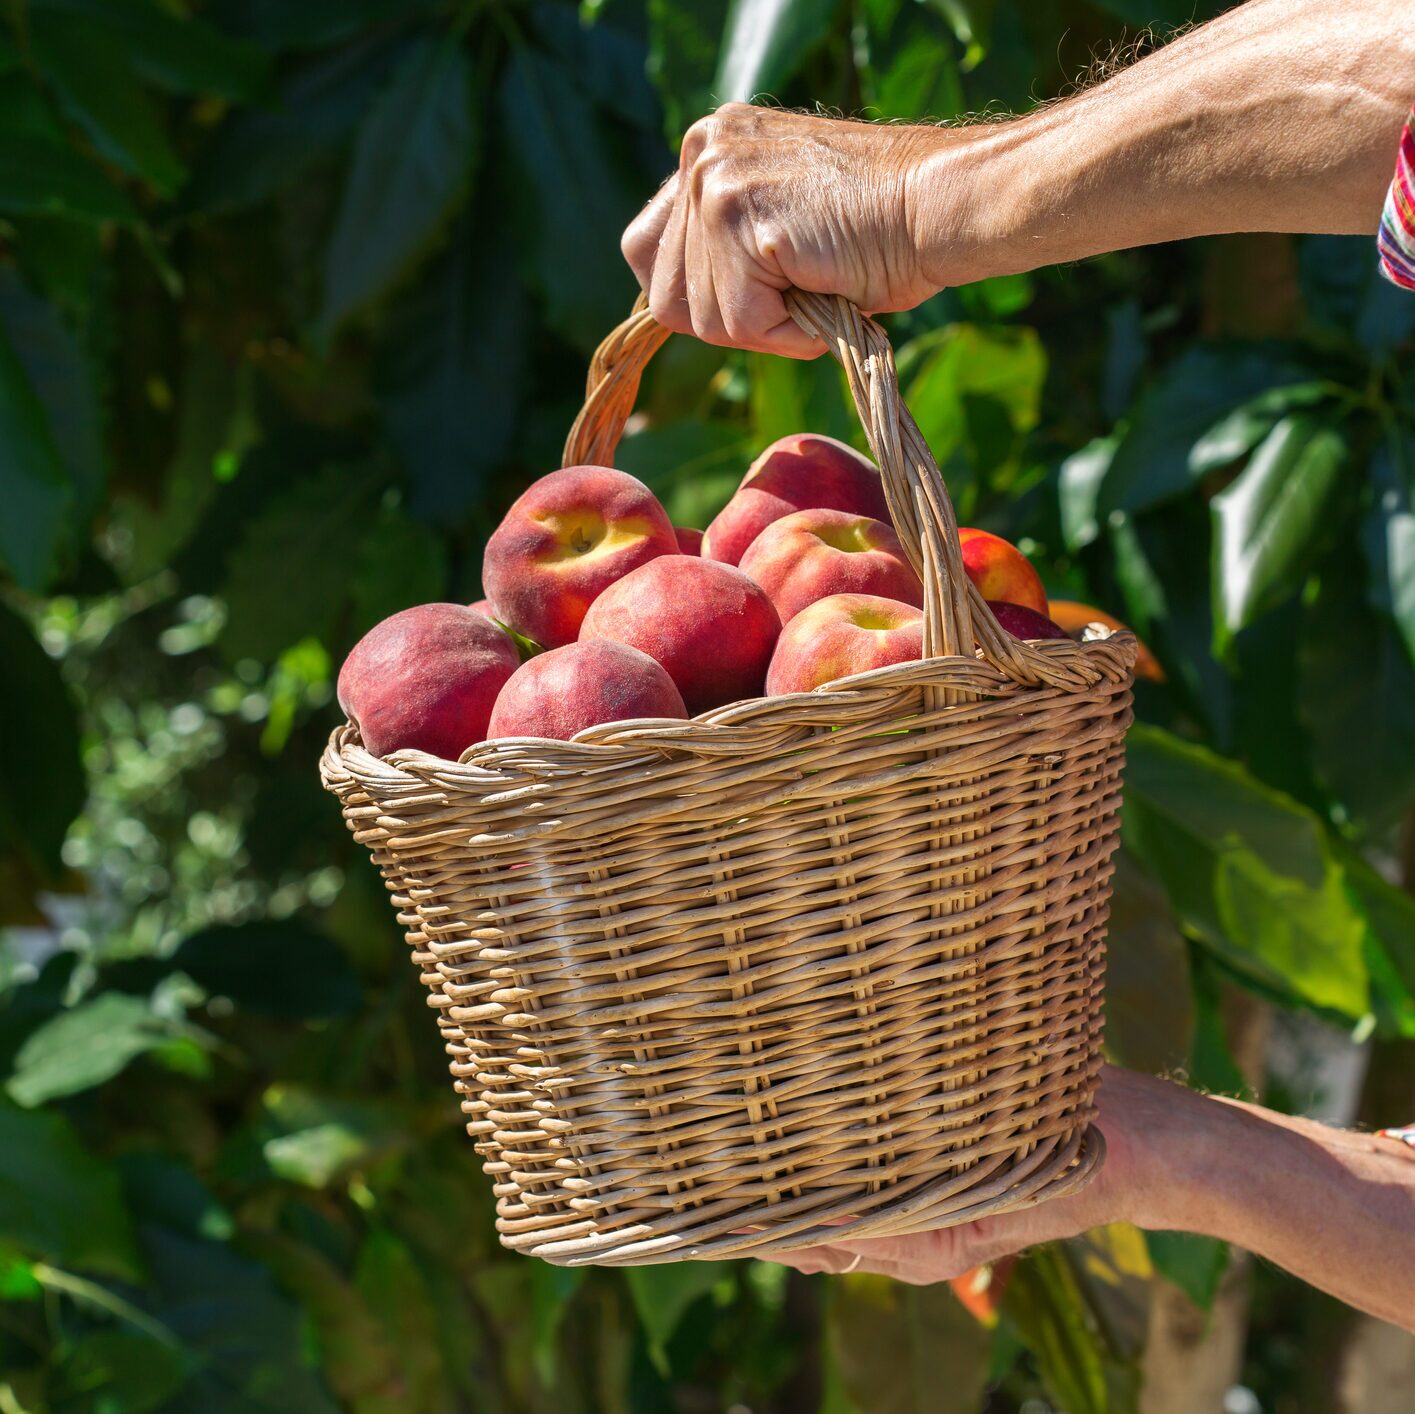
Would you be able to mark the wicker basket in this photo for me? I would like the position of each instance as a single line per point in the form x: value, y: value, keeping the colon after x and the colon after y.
x: 817, y: 964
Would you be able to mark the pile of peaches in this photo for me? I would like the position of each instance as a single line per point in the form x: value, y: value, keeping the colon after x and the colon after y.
x: 615, y: 614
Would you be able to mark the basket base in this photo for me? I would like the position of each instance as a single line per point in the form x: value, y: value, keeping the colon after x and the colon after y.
x: 1049, y: 1172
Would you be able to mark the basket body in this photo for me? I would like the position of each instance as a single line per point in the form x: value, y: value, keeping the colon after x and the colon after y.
x: 715, y: 987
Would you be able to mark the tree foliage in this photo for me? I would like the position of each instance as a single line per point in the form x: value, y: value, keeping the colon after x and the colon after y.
x: 293, y: 299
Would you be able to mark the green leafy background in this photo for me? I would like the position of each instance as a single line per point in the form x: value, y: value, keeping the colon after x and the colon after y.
x: 293, y: 299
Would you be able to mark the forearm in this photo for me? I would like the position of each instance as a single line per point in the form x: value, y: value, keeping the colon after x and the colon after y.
x: 1278, y: 115
x: 1332, y: 1207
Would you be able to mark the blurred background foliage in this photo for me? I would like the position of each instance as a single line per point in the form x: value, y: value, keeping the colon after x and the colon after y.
x: 293, y: 300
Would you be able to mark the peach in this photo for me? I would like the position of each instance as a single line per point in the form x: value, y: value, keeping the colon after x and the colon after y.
x: 794, y: 473
x: 1022, y: 622
x: 426, y: 678
x: 710, y: 626
x: 842, y: 635
x: 580, y: 685
x: 483, y: 606
x: 690, y: 541
x: 809, y: 555
x: 1074, y: 617
x: 1000, y: 570
x: 569, y: 536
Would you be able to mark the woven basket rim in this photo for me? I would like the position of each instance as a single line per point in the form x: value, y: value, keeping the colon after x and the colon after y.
x: 1108, y: 658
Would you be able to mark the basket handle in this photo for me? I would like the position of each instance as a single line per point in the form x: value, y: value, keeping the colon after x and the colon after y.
x: 955, y: 613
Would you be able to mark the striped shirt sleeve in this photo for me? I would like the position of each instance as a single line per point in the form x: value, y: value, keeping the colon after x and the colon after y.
x: 1396, y: 238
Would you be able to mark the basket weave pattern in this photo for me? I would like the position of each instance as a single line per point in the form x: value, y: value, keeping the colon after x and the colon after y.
x: 723, y: 986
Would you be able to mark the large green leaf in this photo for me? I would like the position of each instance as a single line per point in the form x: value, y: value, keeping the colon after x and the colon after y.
x: 791, y: 395
x: 43, y: 176
x: 287, y: 579
x: 66, y: 382
x: 182, y: 55
x: 412, y: 160
x: 58, y: 1200
x: 1269, y: 520
x: 662, y: 1294
x: 1389, y: 913
x: 317, y: 106
x: 311, y: 1139
x: 1045, y: 1304
x: 765, y: 42
x: 1358, y: 702
x: 905, y: 1349
x: 1078, y: 485
x: 272, y: 967
x: 42, y: 787
x: 89, y: 70
x: 1194, y: 1263
x: 85, y: 1046
x: 38, y: 496
x: 1153, y: 462
x: 1388, y: 531
x: 912, y: 72
x: 450, y: 367
x: 579, y: 196
x: 1247, y: 869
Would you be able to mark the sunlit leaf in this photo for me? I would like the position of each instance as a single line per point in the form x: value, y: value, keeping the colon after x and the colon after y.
x: 1267, y: 522
x: 1246, y: 868
x: 765, y: 42
x: 311, y: 1138
x: 411, y: 162
x: 1388, y: 532
x: 1045, y: 1304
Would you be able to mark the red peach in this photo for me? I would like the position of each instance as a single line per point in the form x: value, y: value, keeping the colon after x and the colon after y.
x: 794, y: 473
x: 1000, y: 570
x: 709, y: 625
x: 580, y: 685
x: 426, y: 678
x: 690, y: 541
x: 568, y: 537
x: 1074, y: 617
x: 809, y: 555
x: 843, y: 635
x: 1022, y: 622
x: 483, y: 606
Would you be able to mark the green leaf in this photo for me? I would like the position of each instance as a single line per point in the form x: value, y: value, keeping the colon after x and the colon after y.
x: 579, y: 196
x: 36, y: 493
x: 1154, y: 461
x: 87, y: 68
x: 259, y: 150
x: 684, y: 37
x: 1344, y: 290
x: 66, y: 383
x: 86, y: 1046
x: 450, y: 369
x: 181, y: 55
x: 40, y: 176
x: 249, y: 1336
x: 1078, y: 485
x: 118, y: 1371
x: 59, y: 1201
x: 905, y: 1349
x: 1267, y: 522
x: 1234, y: 436
x: 662, y: 1295
x: 1357, y: 702
x: 1044, y: 1303
x: 1388, y: 532
x: 692, y: 467
x: 43, y: 786
x: 765, y: 42
x: 1389, y: 914
x: 283, y: 969
x: 789, y: 395
x: 411, y: 163
x: 911, y: 70
x: 1247, y: 869
x: 310, y: 526
x: 1195, y: 1264
x: 312, y: 1139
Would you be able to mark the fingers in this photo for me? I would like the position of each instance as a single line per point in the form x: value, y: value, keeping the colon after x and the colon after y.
x: 641, y: 238
x: 814, y: 1261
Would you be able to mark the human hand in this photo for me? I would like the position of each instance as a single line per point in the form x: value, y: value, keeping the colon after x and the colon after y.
x: 765, y: 199
x: 1127, y: 1108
